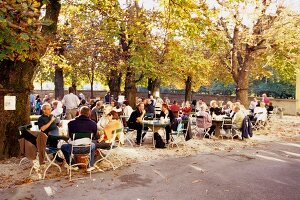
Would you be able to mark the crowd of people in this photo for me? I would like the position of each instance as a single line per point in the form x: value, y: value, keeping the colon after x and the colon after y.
x: 103, y: 116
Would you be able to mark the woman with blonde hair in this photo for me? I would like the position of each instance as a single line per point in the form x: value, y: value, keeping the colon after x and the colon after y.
x: 106, y: 135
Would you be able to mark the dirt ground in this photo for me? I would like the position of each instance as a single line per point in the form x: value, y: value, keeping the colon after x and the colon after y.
x: 279, y: 129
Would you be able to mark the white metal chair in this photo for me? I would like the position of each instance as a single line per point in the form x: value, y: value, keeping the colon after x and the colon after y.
x: 226, y: 128
x: 179, y: 135
x: 200, y: 129
x: 260, y: 122
x: 81, y: 142
x: 110, y: 152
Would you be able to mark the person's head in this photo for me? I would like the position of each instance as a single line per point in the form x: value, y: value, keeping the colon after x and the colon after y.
x: 83, y: 102
x: 213, y: 104
x: 141, y: 107
x: 270, y: 104
x: 71, y: 90
x: 113, y: 115
x: 54, y: 104
x: 126, y: 103
x: 202, y: 108
x: 144, y: 100
x: 113, y: 103
x: 99, y: 104
x: 255, y: 99
x: 200, y: 101
x: 164, y: 107
x: 86, y: 111
x: 175, y: 102
x: 46, y: 108
x: 236, y: 108
x: 264, y: 95
x: 187, y: 104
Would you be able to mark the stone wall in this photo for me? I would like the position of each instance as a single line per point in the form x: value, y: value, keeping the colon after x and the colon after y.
x: 289, y: 105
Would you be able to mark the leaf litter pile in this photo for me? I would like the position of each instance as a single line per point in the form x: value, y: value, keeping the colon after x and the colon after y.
x: 285, y: 129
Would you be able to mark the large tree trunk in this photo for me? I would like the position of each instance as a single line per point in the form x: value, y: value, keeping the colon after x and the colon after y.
x: 130, y: 87
x: 188, y: 89
x: 242, y: 87
x: 114, y: 82
x: 92, y: 88
x: 16, y: 79
x: 59, y: 82
x: 154, y: 87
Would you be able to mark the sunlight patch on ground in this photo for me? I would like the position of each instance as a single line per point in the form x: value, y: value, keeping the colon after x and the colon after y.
x: 291, y: 153
x: 290, y: 144
x: 196, y: 168
x: 270, y: 158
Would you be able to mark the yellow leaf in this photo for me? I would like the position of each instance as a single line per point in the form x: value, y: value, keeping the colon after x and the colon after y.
x: 29, y: 21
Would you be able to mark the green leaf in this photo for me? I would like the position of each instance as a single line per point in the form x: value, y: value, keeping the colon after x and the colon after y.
x: 24, y: 36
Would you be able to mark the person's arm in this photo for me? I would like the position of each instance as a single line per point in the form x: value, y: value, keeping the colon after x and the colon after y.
x: 44, y: 127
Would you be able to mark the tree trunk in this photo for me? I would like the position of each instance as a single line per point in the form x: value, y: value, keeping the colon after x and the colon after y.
x: 130, y: 87
x: 242, y: 87
x: 59, y: 83
x: 114, y: 82
x: 16, y: 79
x: 41, y: 85
x: 188, y: 89
x: 92, y: 88
x: 154, y: 87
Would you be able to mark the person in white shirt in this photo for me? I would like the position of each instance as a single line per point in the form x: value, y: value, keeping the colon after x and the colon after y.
x: 71, y: 101
x: 127, y: 111
x: 57, y: 108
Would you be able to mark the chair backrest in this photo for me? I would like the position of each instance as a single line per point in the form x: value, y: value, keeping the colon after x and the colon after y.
x: 200, y: 121
x: 227, y: 123
x: 77, y: 136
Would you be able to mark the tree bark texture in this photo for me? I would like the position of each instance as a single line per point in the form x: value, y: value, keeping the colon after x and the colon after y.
x: 130, y: 87
x: 188, y: 89
x: 59, y: 82
x: 114, y: 82
x: 16, y: 79
x: 154, y: 86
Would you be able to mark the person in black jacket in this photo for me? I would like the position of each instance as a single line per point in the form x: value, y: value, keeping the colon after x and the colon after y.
x: 135, y: 121
x: 166, y: 113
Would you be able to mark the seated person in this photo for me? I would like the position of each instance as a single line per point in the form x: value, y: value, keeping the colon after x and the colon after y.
x: 81, y: 124
x: 96, y: 111
x: 48, y: 124
x: 57, y: 108
x: 103, y: 121
x: 135, y: 121
x: 206, y: 122
x: 237, y: 120
x: 186, y: 110
x: 166, y: 113
x: 127, y: 112
x: 107, y: 132
x: 270, y: 108
x: 175, y: 108
x: 214, y: 109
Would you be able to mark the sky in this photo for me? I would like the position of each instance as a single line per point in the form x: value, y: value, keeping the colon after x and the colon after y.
x: 150, y: 4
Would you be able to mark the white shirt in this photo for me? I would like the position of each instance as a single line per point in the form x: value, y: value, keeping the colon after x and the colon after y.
x: 127, y: 111
x: 71, y: 101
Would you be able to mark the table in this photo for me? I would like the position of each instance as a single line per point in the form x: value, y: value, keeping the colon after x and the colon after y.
x: 155, y: 125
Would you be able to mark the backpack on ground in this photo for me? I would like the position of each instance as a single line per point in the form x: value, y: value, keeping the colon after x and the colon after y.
x: 159, y: 143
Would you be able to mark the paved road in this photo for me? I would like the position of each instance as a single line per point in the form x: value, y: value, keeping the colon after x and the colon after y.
x: 268, y: 172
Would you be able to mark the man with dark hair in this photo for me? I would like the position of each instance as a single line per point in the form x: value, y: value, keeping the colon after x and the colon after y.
x: 136, y: 119
x: 81, y: 124
x: 71, y: 101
